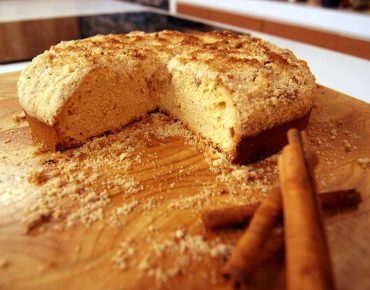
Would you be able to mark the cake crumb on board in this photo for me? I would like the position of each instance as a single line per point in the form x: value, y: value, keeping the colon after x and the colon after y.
x: 122, y: 256
x: 97, y: 185
x: 89, y: 176
x: 364, y: 162
x: 19, y: 118
x: 4, y: 263
x: 177, y: 253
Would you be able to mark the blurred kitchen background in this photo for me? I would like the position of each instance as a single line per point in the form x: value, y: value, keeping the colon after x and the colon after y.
x: 339, y: 25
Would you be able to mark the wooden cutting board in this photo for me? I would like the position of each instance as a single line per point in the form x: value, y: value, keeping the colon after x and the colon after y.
x: 141, y: 227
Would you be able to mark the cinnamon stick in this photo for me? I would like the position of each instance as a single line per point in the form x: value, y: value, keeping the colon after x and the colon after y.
x: 339, y: 199
x: 229, y: 216
x: 307, y: 255
x: 245, y: 256
x: 240, y: 215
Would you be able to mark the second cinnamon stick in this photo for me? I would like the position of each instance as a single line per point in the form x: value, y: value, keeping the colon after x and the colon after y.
x: 245, y: 256
x: 240, y: 215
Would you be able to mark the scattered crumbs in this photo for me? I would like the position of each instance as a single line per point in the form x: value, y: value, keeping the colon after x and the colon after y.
x: 118, y: 213
x: 333, y: 133
x: 150, y: 203
x: 76, y: 186
x: 97, y: 143
x: 195, y: 201
x: 183, y: 252
x: 144, y: 264
x: 121, y: 258
x: 125, y: 209
x: 220, y: 250
x: 174, y: 129
x: 19, y: 118
x: 37, y: 177
x: 131, y: 186
x: 172, y: 256
x: 4, y: 263
x: 91, y: 209
x: 364, y: 162
x: 180, y: 233
x: 151, y: 228
x: 347, y: 145
x: 122, y: 156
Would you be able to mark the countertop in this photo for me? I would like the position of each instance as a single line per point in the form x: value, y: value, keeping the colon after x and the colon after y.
x: 338, y: 71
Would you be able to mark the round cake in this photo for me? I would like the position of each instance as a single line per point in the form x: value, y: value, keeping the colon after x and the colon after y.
x: 240, y: 92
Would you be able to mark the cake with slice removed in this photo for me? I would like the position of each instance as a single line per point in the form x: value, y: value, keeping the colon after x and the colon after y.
x: 239, y: 92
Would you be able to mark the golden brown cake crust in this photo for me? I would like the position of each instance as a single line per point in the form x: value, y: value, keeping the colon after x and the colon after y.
x: 267, y: 86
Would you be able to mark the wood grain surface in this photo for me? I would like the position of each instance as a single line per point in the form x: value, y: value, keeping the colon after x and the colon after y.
x: 159, y: 242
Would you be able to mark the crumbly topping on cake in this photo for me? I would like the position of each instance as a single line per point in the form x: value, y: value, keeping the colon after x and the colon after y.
x: 268, y: 85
